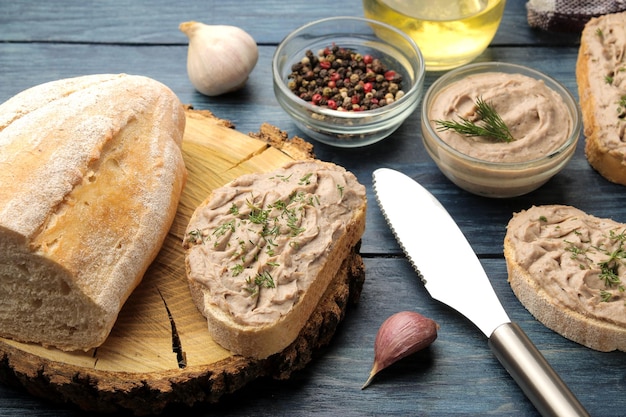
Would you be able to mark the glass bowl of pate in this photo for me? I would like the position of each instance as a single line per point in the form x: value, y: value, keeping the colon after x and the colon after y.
x: 499, y: 130
x: 348, y: 81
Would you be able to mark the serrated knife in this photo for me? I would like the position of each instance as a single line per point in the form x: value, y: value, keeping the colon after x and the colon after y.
x: 430, y: 237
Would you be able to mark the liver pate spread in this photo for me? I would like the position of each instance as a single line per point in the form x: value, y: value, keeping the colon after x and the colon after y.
x: 577, y: 259
x: 607, y: 78
x: 536, y: 115
x: 261, y: 239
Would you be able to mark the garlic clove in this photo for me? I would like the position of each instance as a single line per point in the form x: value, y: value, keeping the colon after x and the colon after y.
x: 220, y: 58
x: 401, y: 335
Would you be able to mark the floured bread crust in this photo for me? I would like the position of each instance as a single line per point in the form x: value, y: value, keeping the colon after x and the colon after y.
x: 601, y: 78
x: 91, y: 171
x: 568, y: 269
x: 262, y: 249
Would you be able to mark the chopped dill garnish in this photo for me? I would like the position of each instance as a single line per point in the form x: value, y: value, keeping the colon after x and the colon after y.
x: 306, y: 180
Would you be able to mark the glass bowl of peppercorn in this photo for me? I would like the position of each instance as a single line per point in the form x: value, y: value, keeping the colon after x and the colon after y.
x: 348, y: 81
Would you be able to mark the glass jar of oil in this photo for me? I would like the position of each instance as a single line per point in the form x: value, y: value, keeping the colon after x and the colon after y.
x: 449, y: 33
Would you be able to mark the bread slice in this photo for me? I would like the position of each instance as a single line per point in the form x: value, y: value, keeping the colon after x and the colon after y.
x: 568, y: 269
x: 91, y: 171
x: 601, y: 78
x: 262, y: 250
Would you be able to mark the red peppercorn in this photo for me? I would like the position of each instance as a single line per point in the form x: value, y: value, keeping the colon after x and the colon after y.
x: 325, y: 64
x: 367, y: 87
x: 332, y: 104
x: 316, y: 98
x: 390, y: 75
x: 331, y: 84
x: 367, y: 59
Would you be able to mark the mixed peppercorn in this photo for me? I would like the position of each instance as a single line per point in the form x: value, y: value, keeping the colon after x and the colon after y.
x: 342, y: 79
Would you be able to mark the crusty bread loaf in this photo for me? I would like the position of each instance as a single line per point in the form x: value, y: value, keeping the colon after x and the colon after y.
x: 262, y: 250
x: 601, y: 78
x: 568, y: 269
x: 91, y: 171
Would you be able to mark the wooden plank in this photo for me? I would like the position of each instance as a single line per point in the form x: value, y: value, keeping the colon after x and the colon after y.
x: 156, y: 22
x: 256, y: 104
x: 457, y: 375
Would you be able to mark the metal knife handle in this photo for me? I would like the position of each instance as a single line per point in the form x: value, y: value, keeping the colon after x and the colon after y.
x: 541, y: 384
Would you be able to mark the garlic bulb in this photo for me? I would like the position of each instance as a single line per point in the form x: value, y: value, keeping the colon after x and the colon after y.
x: 220, y: 58
x: 401, y: 335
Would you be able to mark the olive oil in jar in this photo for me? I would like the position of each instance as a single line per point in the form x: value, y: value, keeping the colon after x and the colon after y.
x: 449, y: 33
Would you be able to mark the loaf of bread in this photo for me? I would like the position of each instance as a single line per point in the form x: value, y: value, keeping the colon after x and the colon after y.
x: 568, y: 269
x: 262, y: 249
x: 91, y: 172
x: 601, y: 78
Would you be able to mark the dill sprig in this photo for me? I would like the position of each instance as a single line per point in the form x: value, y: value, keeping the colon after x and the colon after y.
x: 492, y: 125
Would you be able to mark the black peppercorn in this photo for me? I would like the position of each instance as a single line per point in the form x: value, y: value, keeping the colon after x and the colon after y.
x: 342, y: 79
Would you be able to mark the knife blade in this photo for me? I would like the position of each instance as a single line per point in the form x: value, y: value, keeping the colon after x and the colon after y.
x: 452, y: 273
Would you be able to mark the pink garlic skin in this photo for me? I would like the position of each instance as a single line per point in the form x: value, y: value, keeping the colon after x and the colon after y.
x: 401, y: 335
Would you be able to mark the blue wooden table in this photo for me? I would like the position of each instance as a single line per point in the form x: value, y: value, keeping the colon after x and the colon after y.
x: 46, y: 40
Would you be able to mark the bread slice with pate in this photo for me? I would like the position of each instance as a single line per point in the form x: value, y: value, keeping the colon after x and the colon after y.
x: 601, y: 78
x: 91, y: 172
x: 262, y: 249
x: 568, y: 268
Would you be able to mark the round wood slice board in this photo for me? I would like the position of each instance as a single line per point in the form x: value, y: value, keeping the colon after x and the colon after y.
x: 159, y: 352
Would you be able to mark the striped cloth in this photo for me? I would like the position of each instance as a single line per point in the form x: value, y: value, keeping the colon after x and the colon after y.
x: 568, y: 15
